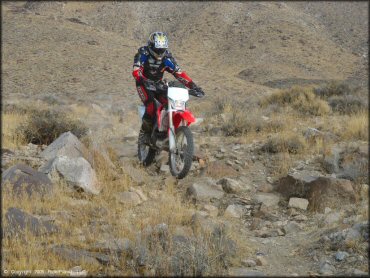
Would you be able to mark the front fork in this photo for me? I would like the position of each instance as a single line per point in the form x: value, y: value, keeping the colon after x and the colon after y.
x: 171, y: 132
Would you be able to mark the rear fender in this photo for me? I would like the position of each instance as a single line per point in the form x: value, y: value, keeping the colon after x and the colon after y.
x: 183, y: 115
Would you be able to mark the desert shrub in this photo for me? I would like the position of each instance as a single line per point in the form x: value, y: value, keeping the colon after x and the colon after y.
x: 223, y: 105
x: 300, y: 99
x: 290, y: 142
x: 44, y: 126
x: 346, y: 104
x: 239, y: 123
x: 335, y: 89
x: 168, y: 255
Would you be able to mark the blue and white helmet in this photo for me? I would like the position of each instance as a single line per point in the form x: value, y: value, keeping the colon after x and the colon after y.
x: 158, y: 44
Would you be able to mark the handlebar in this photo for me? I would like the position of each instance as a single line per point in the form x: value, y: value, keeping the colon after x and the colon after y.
x: 163, y: 85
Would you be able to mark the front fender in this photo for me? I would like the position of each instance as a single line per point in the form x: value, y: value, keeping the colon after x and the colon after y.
x: 186, y: 115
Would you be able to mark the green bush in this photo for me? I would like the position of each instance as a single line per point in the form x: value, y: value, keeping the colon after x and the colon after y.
x: 44, y: 126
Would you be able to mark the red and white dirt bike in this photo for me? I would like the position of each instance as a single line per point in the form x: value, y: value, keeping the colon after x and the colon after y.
x: 171, y: 131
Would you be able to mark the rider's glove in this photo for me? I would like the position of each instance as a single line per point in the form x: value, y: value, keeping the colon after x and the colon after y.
x: 199, y: 92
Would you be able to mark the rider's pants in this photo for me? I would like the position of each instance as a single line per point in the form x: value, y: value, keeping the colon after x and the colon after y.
x: 148, y: 96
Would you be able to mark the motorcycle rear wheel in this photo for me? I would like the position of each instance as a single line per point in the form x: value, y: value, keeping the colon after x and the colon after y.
x: 180, y: 161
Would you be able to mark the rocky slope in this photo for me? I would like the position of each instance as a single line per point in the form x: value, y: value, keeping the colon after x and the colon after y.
x: 286, y: 196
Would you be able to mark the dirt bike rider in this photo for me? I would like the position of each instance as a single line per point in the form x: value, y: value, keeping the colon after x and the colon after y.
x: 150, y: 62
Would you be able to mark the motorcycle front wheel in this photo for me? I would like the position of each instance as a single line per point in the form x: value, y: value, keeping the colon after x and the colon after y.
x: 182, y: 157
x: 146, y: 154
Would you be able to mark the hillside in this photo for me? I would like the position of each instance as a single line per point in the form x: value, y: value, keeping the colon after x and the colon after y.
x: 279, y: 182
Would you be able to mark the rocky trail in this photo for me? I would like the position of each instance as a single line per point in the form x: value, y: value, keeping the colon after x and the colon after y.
x: 279, y: 181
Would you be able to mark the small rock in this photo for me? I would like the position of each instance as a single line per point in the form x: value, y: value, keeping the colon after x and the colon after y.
x: 139, y: 192
x: 261, y: 260
x: 212, y: 210
x: 268, y: 199
x: 300, y: 218
x: 204, y: 190
x: 165, y: 168
x: 77, y: 268
x: 264, y: 233
x: 230, y: 185
x: 219, y: 155
x: 327, y: 269
x: 234, y: 211
x: 291, y: 227
x: 332, y: 218
x: 249, y: 263
x: 352, y: 234
x: 327, y: 210
x: 128, y: 198
x: 281, y: 232
x: 270, y: 180
x: 340, y: 255
x: 299, y: 203
x: 266, y: 188
x: 360, y: 272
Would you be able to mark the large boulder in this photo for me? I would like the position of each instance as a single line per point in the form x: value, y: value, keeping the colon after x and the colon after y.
x: 320, y: 191
x: 75, y: 171
x: 295, y: 184
x: 23, y: 178
x: 205, y: 190
x: 19, y: 222
x: 68, y: 145
x: 330, y: 192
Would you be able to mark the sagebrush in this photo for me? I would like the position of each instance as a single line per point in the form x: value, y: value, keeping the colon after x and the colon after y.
x: 44, y: 126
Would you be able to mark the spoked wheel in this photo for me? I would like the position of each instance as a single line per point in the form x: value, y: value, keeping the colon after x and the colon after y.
x: 182, y: 157
x: 145, y: 153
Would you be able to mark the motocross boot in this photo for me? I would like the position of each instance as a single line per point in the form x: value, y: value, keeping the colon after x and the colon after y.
x: 146, y: 128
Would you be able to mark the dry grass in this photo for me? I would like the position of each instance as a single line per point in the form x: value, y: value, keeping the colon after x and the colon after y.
x: 44, y: 126
x: 84, y: 220
x: 302, y: 99
x: 285, y: 142
x: 356, y: 127
x: 10, y: 124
